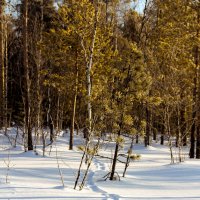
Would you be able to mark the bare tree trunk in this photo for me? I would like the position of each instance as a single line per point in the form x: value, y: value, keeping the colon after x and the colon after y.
x: 162, y: 134
x: 128, y: 156
x: 192, y: 134
x: 77, y: 127
x: 137, y: 139
x: 114, y: 160
x: 95, y: 151
x: 168, y: 128
x: 155, y: 130
x: 88, y: 74
x: 28, y: 129
x: 89, y: 63
x: 147, y: 135
x: 58, y: 113
x: 183, y: 127
x: 1, y: 63
x: 79, y: 169
x: 106, y: 11
x: 39, y: 63
x: 74, y: 108
x: 49, y: 118
x: 198, y: 91
x: 112, y: 174
x: 195, y: 99
x: 198, y: 144
x: 6, y: 79
x: 179, y: 141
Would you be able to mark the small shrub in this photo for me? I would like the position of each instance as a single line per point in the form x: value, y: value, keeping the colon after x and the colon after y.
x: 81, y: 148
x: 135, y: 157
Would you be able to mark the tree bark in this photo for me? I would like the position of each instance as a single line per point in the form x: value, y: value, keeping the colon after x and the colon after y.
x: 88, y: 74
x: 112, y: 174
x: 39, y: 63
x: 195, y: 113
x: 183, y: 127
x: 198, y: 91
x: 128, y: 156
x: 6, y: 124
x: 89, y: 63
x: 1, y: 63
x: 155, y: 131
x: 147, y: 135
x: 28, y: 129
x: 162, y: 134
x: 115, y: 158
x: 192, y: 136
x: 74, y: 108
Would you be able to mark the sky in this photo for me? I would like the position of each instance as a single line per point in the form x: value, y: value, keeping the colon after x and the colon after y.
x: 140, y: 5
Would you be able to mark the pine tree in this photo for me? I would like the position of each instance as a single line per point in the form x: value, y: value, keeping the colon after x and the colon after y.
x: 130, y: 79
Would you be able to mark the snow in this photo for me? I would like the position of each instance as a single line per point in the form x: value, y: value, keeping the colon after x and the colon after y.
x: 32, y: 176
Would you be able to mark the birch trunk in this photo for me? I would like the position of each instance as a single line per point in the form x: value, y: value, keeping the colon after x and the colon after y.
x: 89, y: 62
x: 88, y: 75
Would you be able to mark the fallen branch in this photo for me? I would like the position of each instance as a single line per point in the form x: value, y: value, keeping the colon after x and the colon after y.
x: 109, y: 158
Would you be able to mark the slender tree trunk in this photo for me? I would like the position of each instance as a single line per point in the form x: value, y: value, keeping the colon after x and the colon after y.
x: 77, y: 127
x: 155, y: 130
x: 49, y: 118
x: 89, y: 61
x: 162, y: 134
x: 148, y: 121
x: 128, y: 156
x: 195, y: 112
x: 51, y: 130
x: 115, y: 159
x: 177, y: 138
x: 106, y: 11
x: 95, y: 149
x: 6, y: 79
x: 183, y: 127
x: 74, y: 109
x: 58, y: 113
x: 192, y: 142
x: 88, y: 74
x: 39, y: 63
x: 198, y: 144
x: 1, y: 63
x: 112, y: 174
x: 198, y: 90
x: 28, y: 129
x: 168, y: 128
x: 180, y: 134
x: 137, y: 139
x: 129, y: 78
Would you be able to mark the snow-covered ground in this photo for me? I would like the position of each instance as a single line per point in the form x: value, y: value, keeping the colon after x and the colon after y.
x: 35, y: 177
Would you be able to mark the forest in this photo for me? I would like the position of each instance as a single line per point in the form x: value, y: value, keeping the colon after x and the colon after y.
x: 101, y: 70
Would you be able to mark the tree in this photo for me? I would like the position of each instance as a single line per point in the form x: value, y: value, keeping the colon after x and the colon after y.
x: 196, y: 8
x: 2, y: 64
x: 27, y: 109
x: 130, y: 79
